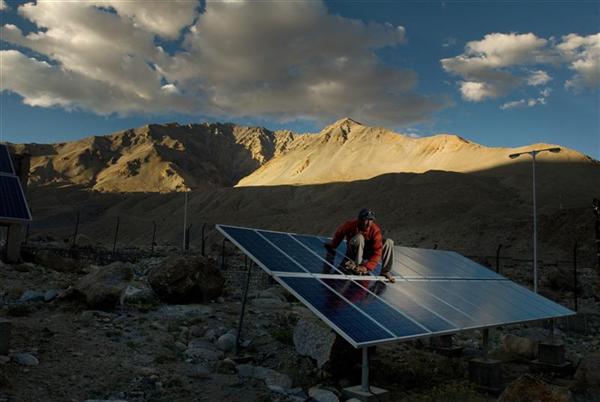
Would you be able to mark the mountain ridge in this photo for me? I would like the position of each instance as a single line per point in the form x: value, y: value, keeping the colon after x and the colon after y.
x: 172, y: 157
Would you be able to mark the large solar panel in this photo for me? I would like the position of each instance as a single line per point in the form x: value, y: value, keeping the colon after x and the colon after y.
x: 12, y: 200
x: 6, y: 165
x: 436, y: 292
x: 13, y: 205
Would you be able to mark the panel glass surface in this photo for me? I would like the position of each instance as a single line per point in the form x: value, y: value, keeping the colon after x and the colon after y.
x: 348, y: 319
x: 440, y: 292
x: 296, y: 250
x: 366, y: 295
x: 428, y: 263
x: 262, y: 250
x: 12, y: 203
x: 5, y: 163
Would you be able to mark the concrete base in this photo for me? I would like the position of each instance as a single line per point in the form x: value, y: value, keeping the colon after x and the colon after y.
x: 564, y: 369
x: 16, y: 236
x: 376, y: 394
x: 551, y: 353
x: 486, y: 374
x: 5, y: 326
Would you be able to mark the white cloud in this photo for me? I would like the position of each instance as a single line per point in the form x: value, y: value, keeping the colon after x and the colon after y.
x: 538, y: 77
x: 3, y: 5
x: 541, y: 100
x: 583, y: 54
x: 477, y: 91
x: 283, y: 60
x: 496, y: 65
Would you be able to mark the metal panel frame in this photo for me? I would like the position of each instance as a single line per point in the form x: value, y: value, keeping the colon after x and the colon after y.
x: 10, y: 161
x: 278, y: 275
x: 17, y: 220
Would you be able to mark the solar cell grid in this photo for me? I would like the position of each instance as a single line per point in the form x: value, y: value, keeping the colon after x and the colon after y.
x: 13, y: 205
x: 6, y: 165
x: 438, y: 292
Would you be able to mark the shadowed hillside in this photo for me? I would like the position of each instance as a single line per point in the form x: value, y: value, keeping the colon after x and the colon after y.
x: 464, y: 212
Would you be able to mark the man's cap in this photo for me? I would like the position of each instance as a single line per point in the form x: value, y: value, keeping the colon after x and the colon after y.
x: 365, y: 214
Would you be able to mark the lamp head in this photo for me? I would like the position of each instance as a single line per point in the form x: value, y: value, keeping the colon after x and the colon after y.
x: 554, y: 150
x: 513, y: 156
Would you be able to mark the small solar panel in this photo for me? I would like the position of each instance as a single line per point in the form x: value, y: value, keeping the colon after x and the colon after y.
x: 6, y: 165
x: 13, y: 205
x: 436, y: 292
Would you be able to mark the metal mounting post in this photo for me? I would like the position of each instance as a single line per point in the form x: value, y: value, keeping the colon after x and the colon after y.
x: 245, y: 297
x: 485, y: 343
x: 364, y: 384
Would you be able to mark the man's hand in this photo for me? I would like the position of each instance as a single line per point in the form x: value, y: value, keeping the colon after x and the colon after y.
x: 361, y: 270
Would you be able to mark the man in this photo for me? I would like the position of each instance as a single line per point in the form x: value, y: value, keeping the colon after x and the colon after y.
x: 365, y: 245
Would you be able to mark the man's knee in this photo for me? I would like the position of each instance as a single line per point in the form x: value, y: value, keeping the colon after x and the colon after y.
x: 357, y: 240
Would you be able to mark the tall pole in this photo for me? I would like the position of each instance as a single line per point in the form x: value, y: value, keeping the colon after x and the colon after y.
x: 533, y: 154
x: 185, y: 220
x: 535, y: 264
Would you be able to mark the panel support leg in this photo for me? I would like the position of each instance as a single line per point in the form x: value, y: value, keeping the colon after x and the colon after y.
x: 364, y: 384
x: 244, y: 298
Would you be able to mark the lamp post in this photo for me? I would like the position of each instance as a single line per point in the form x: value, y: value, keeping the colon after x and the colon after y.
x: 533, y: 155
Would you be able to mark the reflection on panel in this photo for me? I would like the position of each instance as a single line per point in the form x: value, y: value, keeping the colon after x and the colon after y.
x: 340, y: 313
x: 366, y: 296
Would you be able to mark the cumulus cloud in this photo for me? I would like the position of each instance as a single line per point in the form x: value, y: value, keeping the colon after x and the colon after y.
x: 3, y: 5
x: 537, y: 78
x: 583, y: 54
x: 499, y: 63
x: 283, y: 60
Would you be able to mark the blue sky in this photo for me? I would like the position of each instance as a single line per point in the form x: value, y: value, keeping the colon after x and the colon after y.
x: 497, y: 73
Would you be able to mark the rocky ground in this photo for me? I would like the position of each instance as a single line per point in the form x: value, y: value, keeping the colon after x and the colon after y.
x: 85, y: 333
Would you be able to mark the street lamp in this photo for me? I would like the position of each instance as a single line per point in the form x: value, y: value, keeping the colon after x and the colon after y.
x: 533, y: 154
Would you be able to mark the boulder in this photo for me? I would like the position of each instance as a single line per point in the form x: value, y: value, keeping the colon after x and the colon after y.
x: 523, y: 347
x: 52, y: 260
x: 104, y: 287
x: 268, y: 304
x: 32, y: 296
x: 314, y: 339
x: 26, y: 359
x: 226, y: 342
x: 198, y: 353
x: 588, y: 372
x: 186, y: 280
x: 138, y: 295
x: 322, y: 395
x: 271, y: 377
x: 528, y: 388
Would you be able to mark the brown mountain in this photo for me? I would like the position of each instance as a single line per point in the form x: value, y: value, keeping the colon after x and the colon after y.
x: 348, y: 151
x: 157, y: 158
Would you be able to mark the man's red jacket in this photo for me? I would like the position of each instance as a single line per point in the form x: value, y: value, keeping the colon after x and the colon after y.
x: 373, y: 241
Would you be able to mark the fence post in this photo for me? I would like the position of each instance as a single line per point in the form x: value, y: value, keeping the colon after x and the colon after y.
x: 153, y: 237
x: 116, y: 235
x: 575, y: 284
x: 203, y: 239
x: 187, y: 237
x: 498, y: 258
x: 76, y: 231
x: 223, y: 254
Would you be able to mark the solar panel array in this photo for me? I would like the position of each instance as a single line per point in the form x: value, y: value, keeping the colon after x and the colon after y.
x: 13, y: 205
x: 436, y: 292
